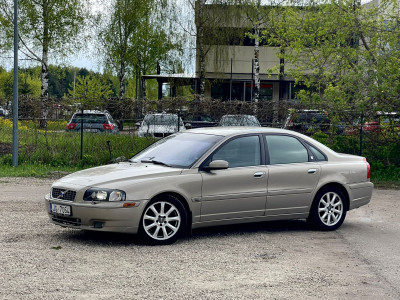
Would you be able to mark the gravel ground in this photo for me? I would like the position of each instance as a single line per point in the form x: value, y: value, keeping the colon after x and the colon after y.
x: 275, y: 260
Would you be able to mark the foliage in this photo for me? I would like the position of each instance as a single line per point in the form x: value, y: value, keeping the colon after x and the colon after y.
x: 62, y: 149
x: 90, y: 91
x: 48, y: 27
x: 135, y: 38
x: 346, y: 54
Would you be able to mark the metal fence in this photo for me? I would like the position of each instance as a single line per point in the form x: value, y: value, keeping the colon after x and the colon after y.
x: 376, y: 135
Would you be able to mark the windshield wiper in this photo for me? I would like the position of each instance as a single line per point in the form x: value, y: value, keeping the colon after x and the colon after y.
x: 156, y: 162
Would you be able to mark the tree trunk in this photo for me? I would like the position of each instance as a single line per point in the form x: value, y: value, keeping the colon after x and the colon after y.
x: 200, y: 47
x: 202, y: 75
x: 121, y: 78
x: 257, y: 64
x: 257, y: 54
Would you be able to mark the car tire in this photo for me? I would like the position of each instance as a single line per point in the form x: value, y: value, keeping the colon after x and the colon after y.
x: 328, y: 210
x: 163, y: 221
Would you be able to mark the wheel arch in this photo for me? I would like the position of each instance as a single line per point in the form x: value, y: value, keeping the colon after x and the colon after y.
x: 338, y: 186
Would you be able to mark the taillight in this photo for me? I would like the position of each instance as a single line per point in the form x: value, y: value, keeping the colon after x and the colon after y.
x: 368, y: 168
x: 108, y: 126
x: 71, y: 126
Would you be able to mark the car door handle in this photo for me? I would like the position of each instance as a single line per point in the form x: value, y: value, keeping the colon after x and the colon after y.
x: 312, y: 171
x: 259, y: 174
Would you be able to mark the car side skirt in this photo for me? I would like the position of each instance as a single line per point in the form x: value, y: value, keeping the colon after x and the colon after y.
x: 250, y: 220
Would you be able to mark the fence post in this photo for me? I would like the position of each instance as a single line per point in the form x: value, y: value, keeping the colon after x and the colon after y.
x: 361, y: 133
x: 82, y: 134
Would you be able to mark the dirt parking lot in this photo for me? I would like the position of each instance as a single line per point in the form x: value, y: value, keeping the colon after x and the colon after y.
x: 276, y: 260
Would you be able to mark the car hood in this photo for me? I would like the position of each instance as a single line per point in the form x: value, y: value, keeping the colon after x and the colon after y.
x: 109, y: 174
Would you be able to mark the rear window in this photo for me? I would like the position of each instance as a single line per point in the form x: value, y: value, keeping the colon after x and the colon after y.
x: 161, y: 120
x: 89, y: 118
x: 311, y: 118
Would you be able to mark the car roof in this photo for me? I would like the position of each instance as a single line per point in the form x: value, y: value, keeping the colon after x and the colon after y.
x: 236, y: 116
x: 231, y: 131
x: 235, y: 130
x: 161, y: 114
x: 91, y: 112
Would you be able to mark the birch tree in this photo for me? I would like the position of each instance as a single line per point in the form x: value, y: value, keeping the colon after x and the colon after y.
x: 210, y: 30
x: 134, y: 37
x: 255, y: 16
x: 48, y: 29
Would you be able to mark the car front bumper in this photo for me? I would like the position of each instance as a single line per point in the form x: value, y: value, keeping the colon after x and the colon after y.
x: 98, y: 216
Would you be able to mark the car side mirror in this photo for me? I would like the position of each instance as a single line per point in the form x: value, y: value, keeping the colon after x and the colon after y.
x: 217, y: 165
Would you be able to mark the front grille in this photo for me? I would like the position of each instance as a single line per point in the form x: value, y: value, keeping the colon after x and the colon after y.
x: 66, y: 220
x: 63, y: 194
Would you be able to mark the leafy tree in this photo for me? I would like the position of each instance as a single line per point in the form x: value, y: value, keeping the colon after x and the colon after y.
x: 215, y: 27
x: 347, y: 54
x: 134, y: 37
x: 91, y: 91
x: 6, y: 82
x: 29, y: 83
x: 47, y: 29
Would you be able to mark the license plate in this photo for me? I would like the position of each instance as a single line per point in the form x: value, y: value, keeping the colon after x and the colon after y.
x: 64, y: 210
x: 90, y: 130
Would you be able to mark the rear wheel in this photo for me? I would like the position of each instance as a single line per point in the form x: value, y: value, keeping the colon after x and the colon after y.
x: 163, y: 221
x: 329, y: 209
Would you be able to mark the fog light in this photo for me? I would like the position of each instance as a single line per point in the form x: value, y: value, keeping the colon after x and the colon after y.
x: 98, y: 224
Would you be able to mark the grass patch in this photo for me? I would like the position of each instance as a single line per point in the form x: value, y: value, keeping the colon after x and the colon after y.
x: 54, y: 153
x: 60, y: 149
x: 36, y: 170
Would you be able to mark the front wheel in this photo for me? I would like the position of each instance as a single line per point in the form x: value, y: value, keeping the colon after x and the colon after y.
x: 163, y: 221
x: 328, y: 210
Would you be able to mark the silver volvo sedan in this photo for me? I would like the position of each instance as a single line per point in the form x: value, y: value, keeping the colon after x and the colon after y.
x: 214, y: 176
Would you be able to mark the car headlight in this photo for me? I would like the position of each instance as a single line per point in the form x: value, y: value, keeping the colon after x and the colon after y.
x: 96, y: 194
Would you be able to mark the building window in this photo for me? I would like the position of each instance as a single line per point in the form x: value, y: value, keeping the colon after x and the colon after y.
x: 266, y: 91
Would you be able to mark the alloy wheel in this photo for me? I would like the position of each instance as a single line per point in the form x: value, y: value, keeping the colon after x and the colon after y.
x: 330, y: 209
x: 161, y: 220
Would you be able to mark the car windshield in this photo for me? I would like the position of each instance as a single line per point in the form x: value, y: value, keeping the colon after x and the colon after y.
x: 239, y: 121
x: 180, y: 150
x: 89, y: 118
x: 160, y: 120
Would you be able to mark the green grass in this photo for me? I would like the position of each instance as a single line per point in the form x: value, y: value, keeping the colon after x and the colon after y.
x: 56, y: 153
x: 62, y: 150
x: 36, y: 170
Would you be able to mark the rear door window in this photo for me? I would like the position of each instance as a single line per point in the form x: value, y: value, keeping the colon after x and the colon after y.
x: 284, y: 149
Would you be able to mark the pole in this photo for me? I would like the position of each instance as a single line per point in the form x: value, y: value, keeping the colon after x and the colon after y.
x: 82, y: 133
x: 15, y: 90
x: 230, y: 84
x: 361, y: 133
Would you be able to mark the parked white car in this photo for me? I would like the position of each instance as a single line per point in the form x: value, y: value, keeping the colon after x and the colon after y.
x: 3, y: 112
x: 160, y: 125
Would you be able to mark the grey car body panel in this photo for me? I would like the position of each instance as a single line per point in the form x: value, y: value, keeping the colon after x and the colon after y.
x: 216, y: 197
x: 291, y: 192
x: 245, y: 198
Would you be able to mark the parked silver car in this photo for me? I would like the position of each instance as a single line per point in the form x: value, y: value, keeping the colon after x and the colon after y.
x: 239, y: 120
x: 214, y: 176
x: 160, y: 125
